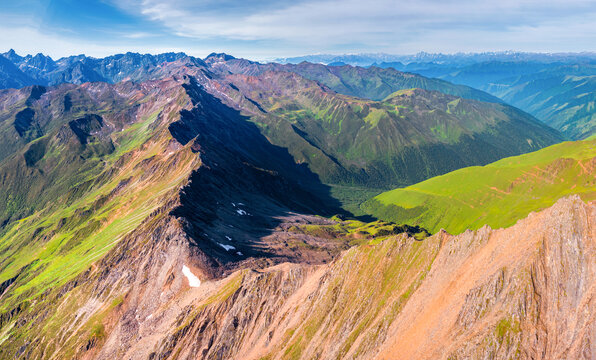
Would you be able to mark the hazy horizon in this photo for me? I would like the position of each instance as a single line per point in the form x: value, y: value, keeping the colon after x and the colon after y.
x: 263, y: 30
x: 338, y: 55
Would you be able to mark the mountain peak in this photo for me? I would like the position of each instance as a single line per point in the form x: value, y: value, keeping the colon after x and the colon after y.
x: 12, y: 56
x: 218, y: 56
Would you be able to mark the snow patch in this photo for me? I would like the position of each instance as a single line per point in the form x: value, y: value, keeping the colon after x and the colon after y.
x: 229, y: 238
x: 193, y: 280
x: 241, y: 212
x: 239, y: 253
x: 226, y: 247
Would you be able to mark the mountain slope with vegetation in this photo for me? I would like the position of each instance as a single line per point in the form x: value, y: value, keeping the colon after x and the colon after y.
x: 359, y: 146
x: 409, y: 136
x: 371, y: 83
x: 559, y: 93
x: 192, y: 212
x: 563, y: 97
x: 497, y: 194
x: 91, y: 172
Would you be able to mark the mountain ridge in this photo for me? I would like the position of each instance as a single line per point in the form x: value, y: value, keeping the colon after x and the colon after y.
x: 497, y: 194
x: 502, y: 327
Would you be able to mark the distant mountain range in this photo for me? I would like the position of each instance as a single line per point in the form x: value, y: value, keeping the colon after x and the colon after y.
x: 43, y: 70
x: 557, y: 88
x: 514, y: 77
x: 564, y: 97
x: 559, y: 92
x: 438, y: 58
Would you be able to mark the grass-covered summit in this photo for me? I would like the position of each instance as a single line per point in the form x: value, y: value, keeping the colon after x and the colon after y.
x: 497, y: 194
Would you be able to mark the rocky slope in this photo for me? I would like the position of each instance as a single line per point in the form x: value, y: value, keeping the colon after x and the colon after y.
x: 522, y: 292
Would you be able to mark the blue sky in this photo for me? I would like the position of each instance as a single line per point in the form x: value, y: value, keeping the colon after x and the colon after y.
x: 265, y: 29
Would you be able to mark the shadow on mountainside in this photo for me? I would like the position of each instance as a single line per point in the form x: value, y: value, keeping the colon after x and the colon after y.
x: 240, y: 201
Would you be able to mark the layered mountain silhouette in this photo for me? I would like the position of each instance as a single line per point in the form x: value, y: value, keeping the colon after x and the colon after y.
x: 558, y: 91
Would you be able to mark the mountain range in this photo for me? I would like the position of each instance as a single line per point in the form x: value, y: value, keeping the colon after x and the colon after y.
x: 559, y: 93
x: 171, y: 207
x: 556, y: 88
x: 367, y: 59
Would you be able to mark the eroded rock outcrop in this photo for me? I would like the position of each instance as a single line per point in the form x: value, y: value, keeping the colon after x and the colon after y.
x: 522, y: 292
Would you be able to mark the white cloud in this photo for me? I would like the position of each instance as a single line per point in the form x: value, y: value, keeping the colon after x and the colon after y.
x: 28, y: 39
x: 138, y: 35
x: 264, y: 29
x: 396, y: 25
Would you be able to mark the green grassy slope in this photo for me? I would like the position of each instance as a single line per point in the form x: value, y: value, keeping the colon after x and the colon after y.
x: 89, y: 185
x: 497, y: 194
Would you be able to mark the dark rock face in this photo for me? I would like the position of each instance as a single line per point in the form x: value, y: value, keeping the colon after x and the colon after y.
x: 23, y: 121
x: 85, y: 127
x: 244, y: 186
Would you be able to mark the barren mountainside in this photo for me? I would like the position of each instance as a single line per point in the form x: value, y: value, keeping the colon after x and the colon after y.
x: 521, y: 292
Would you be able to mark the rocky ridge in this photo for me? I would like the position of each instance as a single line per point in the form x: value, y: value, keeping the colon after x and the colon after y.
x: 521, y: 292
